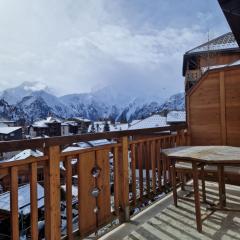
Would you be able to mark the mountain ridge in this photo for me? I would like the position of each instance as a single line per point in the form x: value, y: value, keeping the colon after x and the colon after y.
x: 33, y: 101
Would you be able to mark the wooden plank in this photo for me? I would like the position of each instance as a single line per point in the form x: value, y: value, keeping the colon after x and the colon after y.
x: 34, y: 201
x: 133, y: 161
x: 223, y: 108
x: 103, y: 184
x: 14, y: 203
x: 140, y: 169
x: 86, y: 202
x: 159, y: 164
x: 116, y: 181
x: 147, y: 156
x: 52, y: 194
x: 68, y: 167
x: 123, y: 179
x: 153, y: 163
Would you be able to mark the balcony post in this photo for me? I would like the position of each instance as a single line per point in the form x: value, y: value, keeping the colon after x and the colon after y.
x: 124, y: 181
x: 52, y: 194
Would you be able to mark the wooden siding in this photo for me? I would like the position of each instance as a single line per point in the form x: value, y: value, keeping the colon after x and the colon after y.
x: 213, y: 108
x: 218, y: 59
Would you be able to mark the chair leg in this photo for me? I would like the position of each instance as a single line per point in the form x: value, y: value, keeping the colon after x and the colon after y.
x: 183, y: 182
x: 174, y: 183
x: 221, y: 183
x: 203, y: 185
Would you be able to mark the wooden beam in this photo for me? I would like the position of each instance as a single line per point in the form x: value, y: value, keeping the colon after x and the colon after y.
x: 54, y: 141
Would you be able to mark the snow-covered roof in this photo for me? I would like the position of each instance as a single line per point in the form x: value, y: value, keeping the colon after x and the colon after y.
x: 150, y: 122
x: 224, y: 42
x: 72, y: 123
x: 99, y: 142
x: 176, y: 116
x: 118, y: 127
x: 26, y: 154
x: 8, y: 130
x: 44, y: 123
x: 134, y: 122
x: 82, y: 119
x: 77, y: 146
x: 23, y: 199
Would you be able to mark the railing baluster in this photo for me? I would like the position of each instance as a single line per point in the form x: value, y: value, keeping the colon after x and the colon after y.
x: 34, y: 201
x: 14, y: 203
x: 116, y: 181
x: 133, y: 157
x: 52, y: 194
x: 153, y: 163
x: 159, y: 164
x: 147, y: 157
x: 123, y: 180
x: 69, y: 197
x: 140, y: 168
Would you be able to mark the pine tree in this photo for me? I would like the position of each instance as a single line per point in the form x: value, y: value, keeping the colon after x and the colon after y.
x: 92, y: 130
x: 106, y: 127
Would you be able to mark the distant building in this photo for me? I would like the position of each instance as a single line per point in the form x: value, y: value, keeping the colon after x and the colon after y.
x: 176, y: 117
x: 23, y: 173
x: 10, y: 133
x: 153, y: 121
x: 81, y: 126
x: 24, y: 208
x: 48, y: 127
x: 7, y: 123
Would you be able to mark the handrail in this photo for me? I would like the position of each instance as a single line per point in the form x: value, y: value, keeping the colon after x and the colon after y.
x: 7, y: 146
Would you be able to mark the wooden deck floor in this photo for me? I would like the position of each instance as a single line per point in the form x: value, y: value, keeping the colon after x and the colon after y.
x: 165, y: 221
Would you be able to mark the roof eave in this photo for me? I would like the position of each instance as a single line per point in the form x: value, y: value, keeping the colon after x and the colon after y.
x: 231, y: 10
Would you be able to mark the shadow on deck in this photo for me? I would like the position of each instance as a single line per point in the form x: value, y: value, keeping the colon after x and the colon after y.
x: 164, y: 221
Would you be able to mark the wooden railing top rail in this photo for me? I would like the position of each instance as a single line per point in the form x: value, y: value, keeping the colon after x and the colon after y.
x: 7, y: 146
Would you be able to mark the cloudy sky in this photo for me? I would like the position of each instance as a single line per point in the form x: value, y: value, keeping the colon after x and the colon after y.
x: 79, y: 46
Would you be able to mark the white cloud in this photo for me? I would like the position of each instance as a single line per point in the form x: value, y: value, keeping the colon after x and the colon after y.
x: 74, y: 46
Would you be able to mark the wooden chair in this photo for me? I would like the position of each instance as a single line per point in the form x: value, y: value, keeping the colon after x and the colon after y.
x: 207, y: 173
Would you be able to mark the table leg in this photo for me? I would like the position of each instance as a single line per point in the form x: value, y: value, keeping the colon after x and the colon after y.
x: 174, y: 183
x: 203, y: 184
x: 196, y: 196
x: 221, y: 185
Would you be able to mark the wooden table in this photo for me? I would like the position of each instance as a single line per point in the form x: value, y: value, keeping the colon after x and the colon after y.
x: 199, y: 156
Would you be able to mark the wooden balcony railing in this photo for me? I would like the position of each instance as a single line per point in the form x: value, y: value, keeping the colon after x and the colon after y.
x: 111, y: 179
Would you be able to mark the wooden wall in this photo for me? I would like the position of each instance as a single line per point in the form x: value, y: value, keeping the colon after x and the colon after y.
x: 213, y: 108
x: 218, y: 59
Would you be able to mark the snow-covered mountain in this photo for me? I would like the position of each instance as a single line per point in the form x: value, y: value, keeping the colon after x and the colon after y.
x: 16, y: 94
x: 31, y: 101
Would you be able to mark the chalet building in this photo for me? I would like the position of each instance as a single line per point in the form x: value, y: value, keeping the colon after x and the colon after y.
x: 10, y: 133
x: 212, y: 83
x: 7, y: 123
x: 81, y: 126
x: 215, y: 53
x: 47, y: 127
x: 24, y: 209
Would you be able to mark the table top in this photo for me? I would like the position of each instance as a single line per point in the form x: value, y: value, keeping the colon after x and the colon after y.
x: 207, y: 154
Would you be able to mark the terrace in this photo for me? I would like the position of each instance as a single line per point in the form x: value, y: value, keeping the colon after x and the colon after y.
x: 105, y: 187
